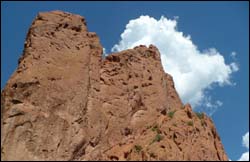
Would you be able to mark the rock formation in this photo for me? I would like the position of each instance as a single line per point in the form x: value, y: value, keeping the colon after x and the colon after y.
x: 64, y: 102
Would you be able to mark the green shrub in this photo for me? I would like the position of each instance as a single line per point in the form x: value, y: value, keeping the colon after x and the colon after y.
x: 157, y: 138
x: 138, y: 148
x: 190, y: 123
x: 156, y: 128
x: 199, y: 115
x: 171, y: 114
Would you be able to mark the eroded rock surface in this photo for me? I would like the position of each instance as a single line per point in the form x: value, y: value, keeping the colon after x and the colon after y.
x: 65, y: 103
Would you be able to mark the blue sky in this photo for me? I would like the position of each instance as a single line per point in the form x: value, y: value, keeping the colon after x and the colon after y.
x: 221, y: 25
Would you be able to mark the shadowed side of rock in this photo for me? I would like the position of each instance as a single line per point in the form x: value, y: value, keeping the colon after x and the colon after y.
x: 49, y: 103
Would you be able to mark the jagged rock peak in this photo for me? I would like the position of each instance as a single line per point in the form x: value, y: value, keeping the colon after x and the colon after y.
x: 64, y: 102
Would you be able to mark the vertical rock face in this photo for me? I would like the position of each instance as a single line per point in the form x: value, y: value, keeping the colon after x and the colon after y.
x: 65, y: 103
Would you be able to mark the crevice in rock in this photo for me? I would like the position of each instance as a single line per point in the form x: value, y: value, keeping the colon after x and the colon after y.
x: 126, y: 154
x: 113, y: 158
x: 23, y: 123
x: 189, y: 114
x: 79, y: 150
x: 24, y: 85
x: 176, y: 143
x: 65, y: 25
x: 15, y: 101
x: 126, y: 131
x: 76, y: 28
x: 217, y: 152
x: 17, y: 114
x: 146, y: 84
x: 58, y: 145
x: 164, y: 111
x: 85, y: 107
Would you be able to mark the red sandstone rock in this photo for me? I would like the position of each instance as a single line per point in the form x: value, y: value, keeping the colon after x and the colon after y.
x: 65, y: 103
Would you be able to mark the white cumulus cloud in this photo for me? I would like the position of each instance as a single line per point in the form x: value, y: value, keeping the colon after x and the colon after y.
x: 244, y: 157
x: 234, y: 67
x: 233, y: 55
x: 104, y: 51
x: 245, y: 140
x: 209, y: 106
x: 245, y: 143
x: 193, y: 71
